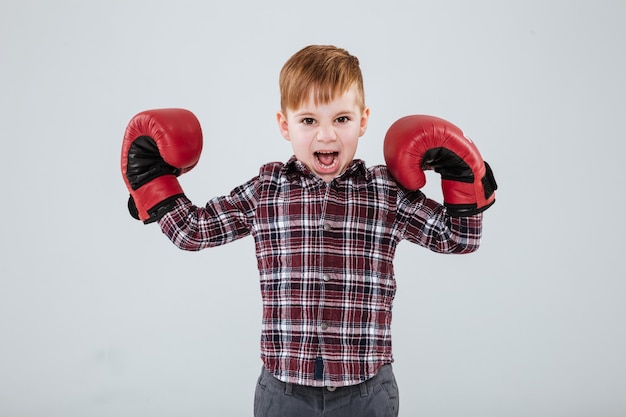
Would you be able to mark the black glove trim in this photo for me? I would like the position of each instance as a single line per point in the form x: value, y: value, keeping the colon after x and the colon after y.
x: 162, y: 208
x: 466, y: 210
x: 489, y: 182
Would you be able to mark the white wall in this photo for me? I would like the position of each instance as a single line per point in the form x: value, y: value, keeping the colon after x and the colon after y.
x: 102, y: 316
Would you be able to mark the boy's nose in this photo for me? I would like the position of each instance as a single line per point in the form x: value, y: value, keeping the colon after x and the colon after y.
x: 326, y: 134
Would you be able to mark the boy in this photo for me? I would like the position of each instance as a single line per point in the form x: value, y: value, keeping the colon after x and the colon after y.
x: 325, y: 228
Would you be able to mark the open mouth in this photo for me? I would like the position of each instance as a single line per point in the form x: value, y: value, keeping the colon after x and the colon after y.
x: 327, y: 159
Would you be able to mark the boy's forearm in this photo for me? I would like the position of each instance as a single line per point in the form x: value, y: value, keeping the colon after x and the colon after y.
x: 466, y: 234
x: 443, y: 233
x: 193, y: 228
x: 179, y: 229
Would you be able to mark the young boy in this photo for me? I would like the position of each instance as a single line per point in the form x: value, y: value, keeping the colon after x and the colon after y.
x: 325, y: 229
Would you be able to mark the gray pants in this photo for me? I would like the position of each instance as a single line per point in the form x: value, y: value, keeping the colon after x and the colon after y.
x: 377, y: 397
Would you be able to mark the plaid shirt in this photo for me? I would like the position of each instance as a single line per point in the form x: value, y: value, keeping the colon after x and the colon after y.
x: 325, y: 258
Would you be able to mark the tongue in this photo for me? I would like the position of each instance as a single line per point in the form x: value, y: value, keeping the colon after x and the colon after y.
x: 326, y: 158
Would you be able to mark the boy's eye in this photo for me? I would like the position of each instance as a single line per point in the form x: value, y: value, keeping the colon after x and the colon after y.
x: 343, y: 119
x: 308, y: 121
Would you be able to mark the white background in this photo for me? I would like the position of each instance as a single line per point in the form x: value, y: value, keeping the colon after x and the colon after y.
x: 101, y: 315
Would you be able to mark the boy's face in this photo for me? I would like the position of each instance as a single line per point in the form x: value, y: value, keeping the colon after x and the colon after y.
x: 324, y: 137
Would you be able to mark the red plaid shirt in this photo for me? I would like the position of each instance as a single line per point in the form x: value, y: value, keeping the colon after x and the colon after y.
x: 325, y: 257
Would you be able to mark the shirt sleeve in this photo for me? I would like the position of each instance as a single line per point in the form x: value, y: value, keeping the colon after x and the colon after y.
x: 428, y: 224
x: 223, y: 219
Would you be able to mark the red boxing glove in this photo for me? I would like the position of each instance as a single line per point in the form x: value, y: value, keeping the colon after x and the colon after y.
x: 419, y: 142
x: 159, y: 145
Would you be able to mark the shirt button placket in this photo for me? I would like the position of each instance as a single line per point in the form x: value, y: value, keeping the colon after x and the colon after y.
x: 327, y: 227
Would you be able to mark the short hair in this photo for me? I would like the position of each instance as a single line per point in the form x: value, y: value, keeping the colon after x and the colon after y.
x: 324, y: 70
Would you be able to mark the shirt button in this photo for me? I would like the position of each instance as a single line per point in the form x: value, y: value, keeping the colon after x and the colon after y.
x: 324, y: 326
x: 326, y: 277
x: 327, y: 227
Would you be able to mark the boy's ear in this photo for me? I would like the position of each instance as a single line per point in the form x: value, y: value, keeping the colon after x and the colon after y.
x: 281, y: 118
x: 364, y: 119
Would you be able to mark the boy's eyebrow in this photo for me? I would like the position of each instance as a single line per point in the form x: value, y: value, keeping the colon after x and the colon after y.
x: 313, y: 113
